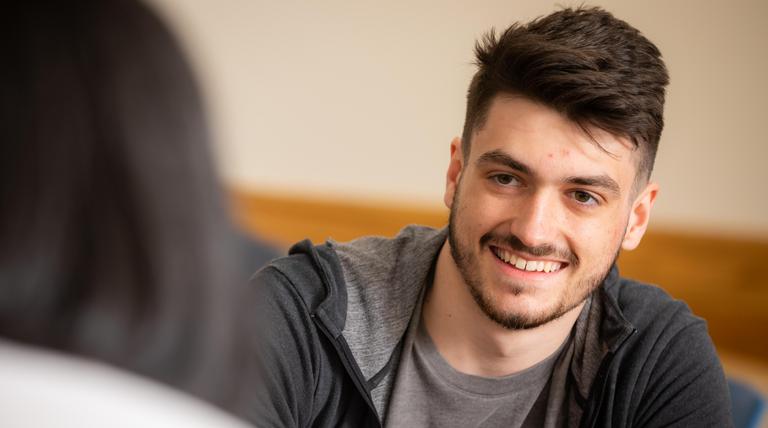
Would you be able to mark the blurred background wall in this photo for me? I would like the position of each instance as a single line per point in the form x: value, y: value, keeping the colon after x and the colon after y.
x: 359, y: 99
x: 335, y: 117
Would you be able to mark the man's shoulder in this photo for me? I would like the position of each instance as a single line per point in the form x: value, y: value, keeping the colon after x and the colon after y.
x: 370, y: 275
x: 665, y: 328
x: 411, y: 240
x: 649, y: 306
x: 369, y: 255
x: 411, y: 252
x: 668, y: 368
x: 364, y: 290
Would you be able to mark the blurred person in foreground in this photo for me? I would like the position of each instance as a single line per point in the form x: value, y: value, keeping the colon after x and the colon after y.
x: 115, y: 243
x: 515, y: 314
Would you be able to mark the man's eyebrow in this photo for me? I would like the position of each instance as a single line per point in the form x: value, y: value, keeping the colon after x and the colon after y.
x: 499, y: 157
x: 602, y: 181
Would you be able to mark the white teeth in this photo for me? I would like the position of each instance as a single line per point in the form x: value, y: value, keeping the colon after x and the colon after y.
x: 520, y: 264
x: 530, y: 266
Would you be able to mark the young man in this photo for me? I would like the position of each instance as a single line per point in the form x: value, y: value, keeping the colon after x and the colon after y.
x: 515, y: 315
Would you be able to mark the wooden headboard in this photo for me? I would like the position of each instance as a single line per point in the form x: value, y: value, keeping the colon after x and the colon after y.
x: 722, y: 279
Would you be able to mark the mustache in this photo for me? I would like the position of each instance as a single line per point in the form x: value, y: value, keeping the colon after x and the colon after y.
x: 517, y: 244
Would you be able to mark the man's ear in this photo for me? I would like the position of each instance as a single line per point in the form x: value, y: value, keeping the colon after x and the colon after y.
x: 453, y: 174
x: 639, y: 216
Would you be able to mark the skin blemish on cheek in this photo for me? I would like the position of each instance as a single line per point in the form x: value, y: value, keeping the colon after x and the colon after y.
x: 565, y: 152
x: 550, y: 155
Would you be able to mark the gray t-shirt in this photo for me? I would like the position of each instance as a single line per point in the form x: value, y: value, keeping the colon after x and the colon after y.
x: 428, y: 392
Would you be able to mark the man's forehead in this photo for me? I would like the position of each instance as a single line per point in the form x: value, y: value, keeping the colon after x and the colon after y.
x: 519, y: 127
x: 517, y: 113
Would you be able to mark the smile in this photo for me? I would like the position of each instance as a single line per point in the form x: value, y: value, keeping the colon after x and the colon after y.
x: 523, y: 264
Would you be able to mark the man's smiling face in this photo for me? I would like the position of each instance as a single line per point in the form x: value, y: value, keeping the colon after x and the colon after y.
x: 539, y: 210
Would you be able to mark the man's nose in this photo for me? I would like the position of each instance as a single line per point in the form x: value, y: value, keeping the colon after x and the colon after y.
x: 537, y: 219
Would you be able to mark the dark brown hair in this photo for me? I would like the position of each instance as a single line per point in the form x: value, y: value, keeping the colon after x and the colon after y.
x: 115, y: 242
x: 593, y: 68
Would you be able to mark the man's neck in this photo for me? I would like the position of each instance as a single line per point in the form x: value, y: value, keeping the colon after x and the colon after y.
x: 474, y: 344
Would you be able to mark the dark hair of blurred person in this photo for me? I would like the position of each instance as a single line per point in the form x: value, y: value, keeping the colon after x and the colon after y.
x: 115, y: 243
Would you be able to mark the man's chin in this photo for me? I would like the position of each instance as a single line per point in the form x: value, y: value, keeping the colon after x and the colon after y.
x: 512, y: 315
x: 516, y: 320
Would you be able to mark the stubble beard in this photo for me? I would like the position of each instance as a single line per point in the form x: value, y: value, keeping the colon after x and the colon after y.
x: 466, y: 262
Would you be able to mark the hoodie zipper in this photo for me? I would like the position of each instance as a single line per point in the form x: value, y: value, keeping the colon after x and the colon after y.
x: 342, y: 349
x: 590, y: 419
x: 601, y: 379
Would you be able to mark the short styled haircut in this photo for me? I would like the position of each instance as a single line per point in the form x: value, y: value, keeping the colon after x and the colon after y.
x: 593, y: 68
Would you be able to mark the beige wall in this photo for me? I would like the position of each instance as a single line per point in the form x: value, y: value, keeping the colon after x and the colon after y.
x: 360, y: 99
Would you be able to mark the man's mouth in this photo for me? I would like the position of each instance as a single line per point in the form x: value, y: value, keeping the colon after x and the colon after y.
x: 525, y: 264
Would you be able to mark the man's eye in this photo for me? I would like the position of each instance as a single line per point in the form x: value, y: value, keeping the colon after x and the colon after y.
x: 584, y: 198
x: 505, y: 179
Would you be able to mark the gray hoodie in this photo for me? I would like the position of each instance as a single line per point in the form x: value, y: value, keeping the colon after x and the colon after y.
x: 330, y: 320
